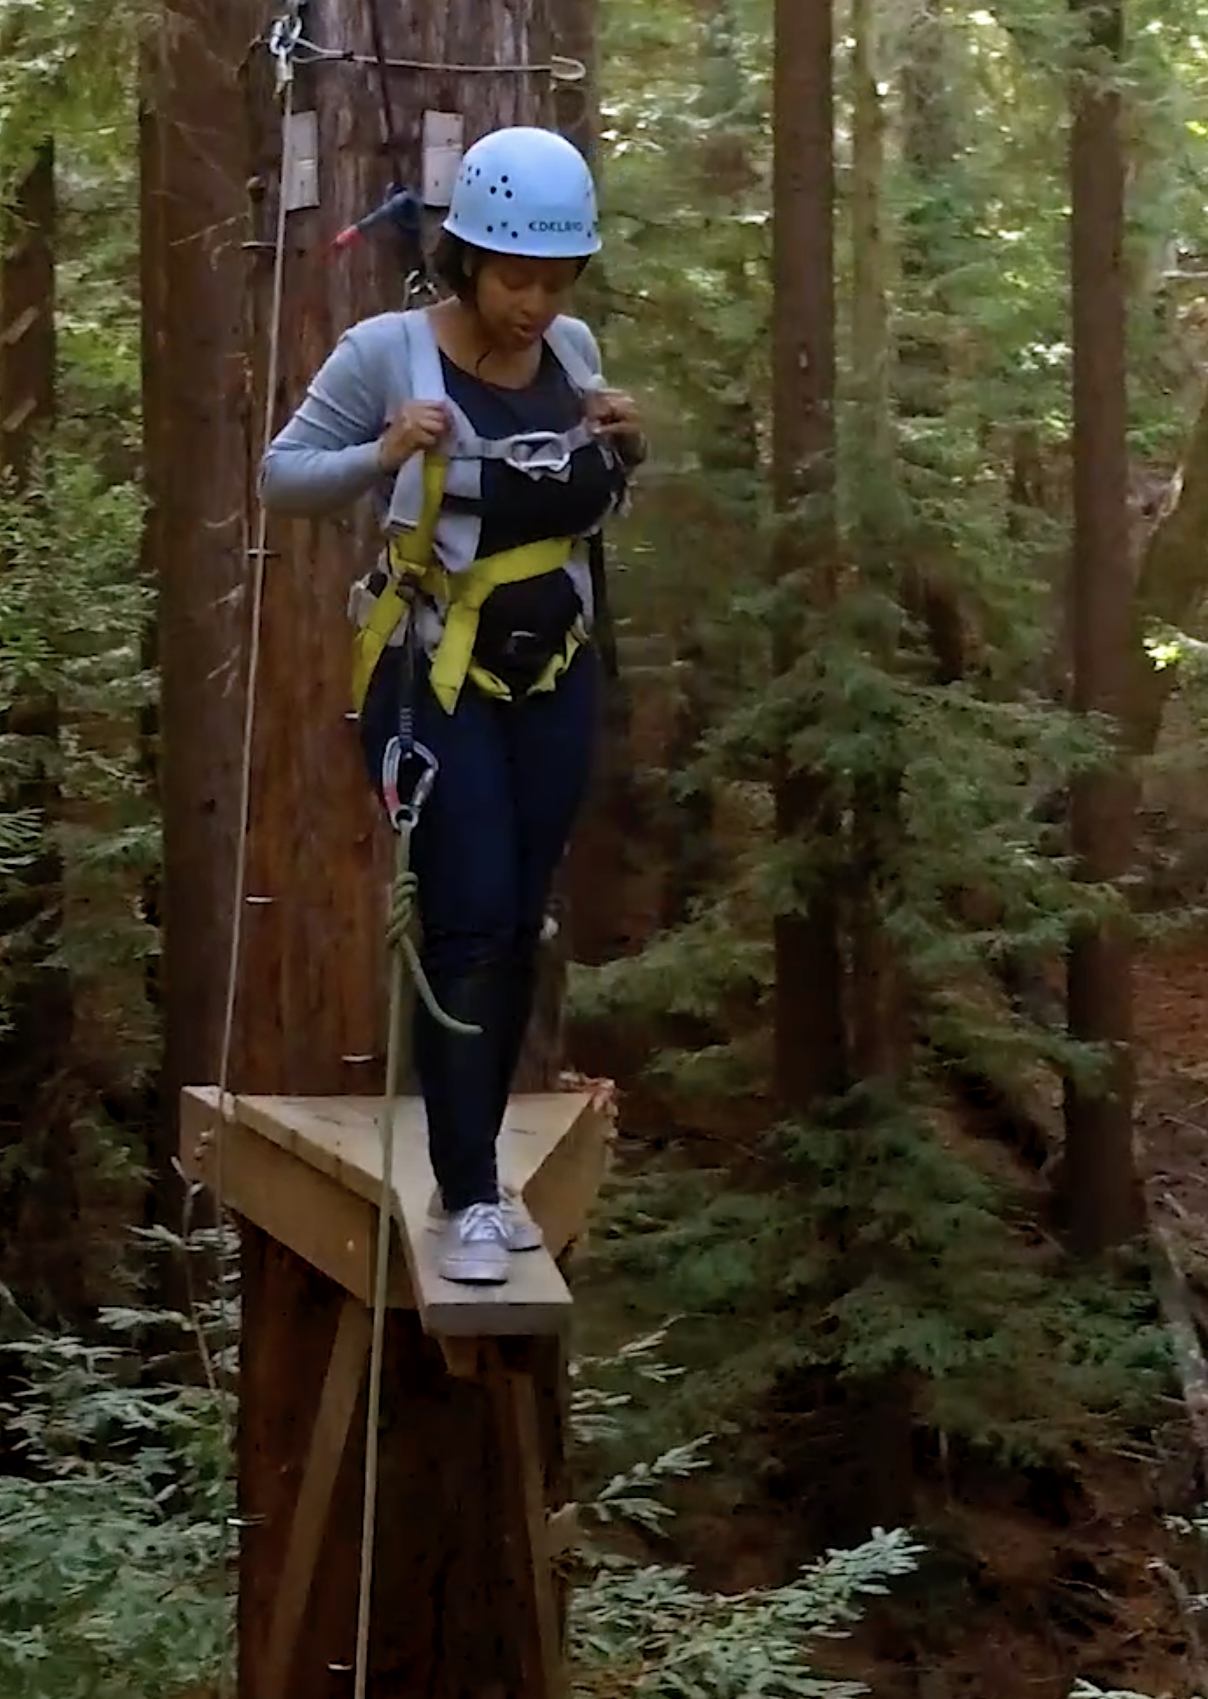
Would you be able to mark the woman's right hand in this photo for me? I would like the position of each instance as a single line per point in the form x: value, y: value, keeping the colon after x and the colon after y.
x: 419, y: 426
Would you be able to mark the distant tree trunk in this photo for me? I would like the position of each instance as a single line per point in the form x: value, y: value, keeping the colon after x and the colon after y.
x: 44, y: 1258
x: 1102, y: 1193
x: 728, y: 441
x: 877, y: 1016
x: 809, y: 1035
x: 930, y: 144
x: 592, y: 885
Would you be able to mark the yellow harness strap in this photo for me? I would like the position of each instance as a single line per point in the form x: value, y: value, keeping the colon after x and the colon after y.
x: 462, y: 593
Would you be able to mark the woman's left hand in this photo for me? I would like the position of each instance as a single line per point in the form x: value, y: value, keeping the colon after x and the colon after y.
x: 613, y: 414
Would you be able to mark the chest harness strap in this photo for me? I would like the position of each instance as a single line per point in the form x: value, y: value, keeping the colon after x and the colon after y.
x: 413, y: 568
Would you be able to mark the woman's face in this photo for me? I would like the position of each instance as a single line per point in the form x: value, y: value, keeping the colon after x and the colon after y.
x: 518, y: 299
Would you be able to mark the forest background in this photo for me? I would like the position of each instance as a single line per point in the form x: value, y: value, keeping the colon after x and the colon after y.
x: 904, y: 1307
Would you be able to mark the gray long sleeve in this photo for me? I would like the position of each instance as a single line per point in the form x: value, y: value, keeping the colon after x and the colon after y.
x: 326, y: 456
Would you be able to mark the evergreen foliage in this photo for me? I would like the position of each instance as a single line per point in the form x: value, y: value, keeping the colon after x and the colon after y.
x: 898, y: 1248
x: 883, y: 1246
x: 115, y: 1547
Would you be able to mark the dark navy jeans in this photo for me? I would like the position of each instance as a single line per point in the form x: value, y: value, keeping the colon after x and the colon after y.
x: 512, y: 779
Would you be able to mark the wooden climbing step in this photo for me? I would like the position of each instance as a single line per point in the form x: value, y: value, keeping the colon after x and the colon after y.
x: 308, y: 1171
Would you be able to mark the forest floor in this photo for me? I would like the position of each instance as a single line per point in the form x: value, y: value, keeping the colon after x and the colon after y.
x: 1083, y: 1578
x: 1037, y: 1579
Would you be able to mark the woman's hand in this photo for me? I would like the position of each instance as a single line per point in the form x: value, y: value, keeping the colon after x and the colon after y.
x: 611, y: 413
x: 419, y: 426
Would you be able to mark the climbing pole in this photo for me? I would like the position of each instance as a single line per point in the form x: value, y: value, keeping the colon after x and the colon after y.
x: 306, y: 1138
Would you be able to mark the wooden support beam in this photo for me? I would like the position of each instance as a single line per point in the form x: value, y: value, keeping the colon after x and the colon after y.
x: 328, y: 1440
x: 448, y: 1621
x: 526, y: 1536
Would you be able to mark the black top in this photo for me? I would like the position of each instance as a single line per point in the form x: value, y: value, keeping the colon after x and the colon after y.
x: 516, y: 508
x: 522, y: 625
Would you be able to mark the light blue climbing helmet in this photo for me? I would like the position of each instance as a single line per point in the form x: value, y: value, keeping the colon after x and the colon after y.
x: 526, y: 191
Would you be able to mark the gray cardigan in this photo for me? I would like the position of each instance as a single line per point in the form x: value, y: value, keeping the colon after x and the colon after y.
x: 325, y: 457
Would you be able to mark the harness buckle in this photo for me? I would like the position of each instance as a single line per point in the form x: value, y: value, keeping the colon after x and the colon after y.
x: 538, y: 451
x: 407, y: 780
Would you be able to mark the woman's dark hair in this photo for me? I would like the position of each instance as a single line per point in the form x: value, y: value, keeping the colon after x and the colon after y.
x: 456, y: 263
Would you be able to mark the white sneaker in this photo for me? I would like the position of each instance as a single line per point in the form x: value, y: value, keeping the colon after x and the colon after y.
x: 474, y: 1246
x: 523, y: 1233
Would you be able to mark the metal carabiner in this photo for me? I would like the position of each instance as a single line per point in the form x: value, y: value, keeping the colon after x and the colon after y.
x: 404, y: 794
x: 283, y: 38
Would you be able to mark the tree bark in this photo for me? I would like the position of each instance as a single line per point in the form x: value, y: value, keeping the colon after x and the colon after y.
x: 577, y: 105
x: 319, y: 855
x: 40, y: 1249
x: 930, y: 145
x: 809, y: 1020
x: 1102, y: 1193
x: 311, y: 1013
x: 193, y: 165
x: 877, y: 1016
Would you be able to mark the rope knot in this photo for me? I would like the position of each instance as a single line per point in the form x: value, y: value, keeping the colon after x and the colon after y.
x: 404, y: 894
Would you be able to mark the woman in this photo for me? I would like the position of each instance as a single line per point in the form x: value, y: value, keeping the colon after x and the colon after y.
x: 484, y: 429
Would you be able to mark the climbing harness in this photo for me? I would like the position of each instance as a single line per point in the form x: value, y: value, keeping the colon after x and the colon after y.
x: 413, y: 568
x: 387, y: 617
x: 603, y: 624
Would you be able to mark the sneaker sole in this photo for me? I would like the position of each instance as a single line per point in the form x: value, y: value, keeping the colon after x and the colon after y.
x: 466, y: 1277
x: 537, y: 1244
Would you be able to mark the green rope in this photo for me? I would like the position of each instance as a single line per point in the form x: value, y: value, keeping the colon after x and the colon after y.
x: 404, y: 896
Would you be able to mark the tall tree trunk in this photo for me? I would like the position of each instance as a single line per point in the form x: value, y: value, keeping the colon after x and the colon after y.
x: 44, y: 1257
x: 809, y: 1016
x: 193, y: 275
x: 930, y: 146
x: 311, y: 1014
x: 1100, y: 1179
x: 877, y: 1013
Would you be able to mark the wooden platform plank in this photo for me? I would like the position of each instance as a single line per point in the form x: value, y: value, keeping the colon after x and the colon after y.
x: 535, y: 1298
x: 552, y: 1149
x: 329, y: 1227
x: 339, y: 1135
